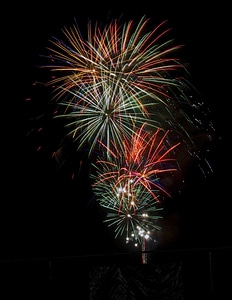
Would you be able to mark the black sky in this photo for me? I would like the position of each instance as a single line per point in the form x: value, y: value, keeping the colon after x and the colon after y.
x: 43, y: 213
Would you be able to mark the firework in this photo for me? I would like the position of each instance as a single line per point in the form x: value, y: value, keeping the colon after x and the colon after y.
x: 102, y: 113
x: 119, y: 77
x: 129, y: 184
x: 125, y: 55
x: 125, y: 100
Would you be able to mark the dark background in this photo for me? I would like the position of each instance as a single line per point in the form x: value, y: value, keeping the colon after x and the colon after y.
x: 43, y: 212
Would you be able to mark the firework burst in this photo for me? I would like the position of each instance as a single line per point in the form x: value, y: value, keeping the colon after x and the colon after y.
x: 119, y: 77
x: 103, y: 113
x: 124, y: 55
x: 129, y: 184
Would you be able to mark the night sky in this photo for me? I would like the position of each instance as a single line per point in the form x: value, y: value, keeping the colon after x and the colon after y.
x: 45, y: 213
